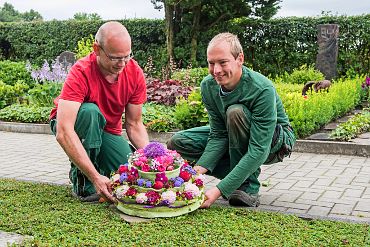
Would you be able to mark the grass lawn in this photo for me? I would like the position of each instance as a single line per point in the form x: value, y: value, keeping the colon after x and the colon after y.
x: 54, y: 218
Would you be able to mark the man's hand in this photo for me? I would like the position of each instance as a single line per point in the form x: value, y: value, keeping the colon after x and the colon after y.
x: 200, y: 169
x: 103, y: 188
x: 211, y: 196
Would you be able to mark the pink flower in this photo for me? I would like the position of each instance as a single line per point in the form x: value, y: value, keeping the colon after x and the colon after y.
x: 131, y: 192
x: 145, y: 168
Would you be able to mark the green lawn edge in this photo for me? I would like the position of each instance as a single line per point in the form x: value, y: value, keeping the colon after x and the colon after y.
x: 53, y: 217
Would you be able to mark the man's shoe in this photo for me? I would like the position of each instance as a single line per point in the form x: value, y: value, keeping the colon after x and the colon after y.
x: 90, y: 198
x: 241, y: 198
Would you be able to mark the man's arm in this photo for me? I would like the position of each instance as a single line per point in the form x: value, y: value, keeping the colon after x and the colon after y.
x: 135, y: 128
x: 69, y: 141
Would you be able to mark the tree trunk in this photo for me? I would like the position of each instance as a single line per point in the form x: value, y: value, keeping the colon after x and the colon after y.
x: 169, y: 10
x: 194, y: 34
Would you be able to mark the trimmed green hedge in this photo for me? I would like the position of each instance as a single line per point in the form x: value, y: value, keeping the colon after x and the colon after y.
x: 271, y: 47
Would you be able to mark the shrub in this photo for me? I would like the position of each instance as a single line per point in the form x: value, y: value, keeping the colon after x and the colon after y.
x: 356, y: 125
x: 191, y: 112
x: 25, y: 113
x: 12, y: 94
x: 44, y: 94
x: 13, y: 72
x: 166, y: 92
x: 190, y: 77
x: 84, y: 46
x: 158, y: 117
x: 300, y: 75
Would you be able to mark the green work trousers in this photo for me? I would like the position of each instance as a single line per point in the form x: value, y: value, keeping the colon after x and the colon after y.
x: 192, y: 142
x: 106, y: 151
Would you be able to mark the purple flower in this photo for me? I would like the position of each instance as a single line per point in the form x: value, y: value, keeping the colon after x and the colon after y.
x: 141, y: 182
x: 178, y: 182
x: 154, y: 149
x: 190, y: 170
x: 148, y: 184
x: 123, y: 177
x: 367, y: 81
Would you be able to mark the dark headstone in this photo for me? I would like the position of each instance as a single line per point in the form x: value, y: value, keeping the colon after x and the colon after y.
x: 66, y: 58
x: 326, y: 60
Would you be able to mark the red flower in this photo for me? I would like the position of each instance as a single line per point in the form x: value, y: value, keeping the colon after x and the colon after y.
x: 131, y: 178
x: 122, y: 169
x: 153, y: 197
x: 198, y: 182
x: 158, y: 185
x: 131, y: 192
x: 185, y: 175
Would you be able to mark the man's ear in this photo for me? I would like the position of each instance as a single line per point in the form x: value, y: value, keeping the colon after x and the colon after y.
x: 240, y: 58
x: 96, y: 48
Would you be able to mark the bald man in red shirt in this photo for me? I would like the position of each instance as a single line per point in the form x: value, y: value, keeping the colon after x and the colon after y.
x: 87, y: 118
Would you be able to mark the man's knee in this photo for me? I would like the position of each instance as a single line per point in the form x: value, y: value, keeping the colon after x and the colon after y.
x: 172, y: 142
x: 89, y: 113
x: 236, y: 115
x: 88, y: 110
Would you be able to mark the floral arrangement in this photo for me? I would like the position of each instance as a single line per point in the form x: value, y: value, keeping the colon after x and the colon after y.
x: 156, y: 158
x: 130, y: 187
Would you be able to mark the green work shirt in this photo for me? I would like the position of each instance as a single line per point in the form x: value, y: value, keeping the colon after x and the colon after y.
x: 258, y: 94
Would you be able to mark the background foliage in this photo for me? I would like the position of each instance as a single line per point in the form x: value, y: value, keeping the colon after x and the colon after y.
x: 271, y: 47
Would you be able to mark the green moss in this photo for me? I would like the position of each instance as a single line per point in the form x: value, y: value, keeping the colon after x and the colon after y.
x: 54, y: 218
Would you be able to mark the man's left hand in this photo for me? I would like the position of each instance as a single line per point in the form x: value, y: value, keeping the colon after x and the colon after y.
x: 211, y: 196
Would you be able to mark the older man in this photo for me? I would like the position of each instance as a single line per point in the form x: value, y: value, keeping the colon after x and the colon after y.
x: 87, y: 118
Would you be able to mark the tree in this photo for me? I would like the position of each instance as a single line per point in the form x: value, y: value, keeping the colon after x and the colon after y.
x: 196, y: 16
x: 86, y: 17
x: 9, y: 14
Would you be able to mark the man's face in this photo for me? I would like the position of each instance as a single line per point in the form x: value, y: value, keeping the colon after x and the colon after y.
x: 114, y: 55
x: 223, y: 66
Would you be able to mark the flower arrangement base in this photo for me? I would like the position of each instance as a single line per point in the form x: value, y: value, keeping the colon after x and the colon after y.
x: 157, y: 182
x: 144, y: 211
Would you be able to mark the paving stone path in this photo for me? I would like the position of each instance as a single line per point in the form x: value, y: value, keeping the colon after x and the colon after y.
x: 309, y: 185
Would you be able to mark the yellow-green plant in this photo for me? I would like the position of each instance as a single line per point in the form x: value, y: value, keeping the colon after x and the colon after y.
x: 84, y: 46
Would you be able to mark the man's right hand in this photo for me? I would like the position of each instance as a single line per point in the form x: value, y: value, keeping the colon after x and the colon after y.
x: 103, y: 187
x: 200, y: 169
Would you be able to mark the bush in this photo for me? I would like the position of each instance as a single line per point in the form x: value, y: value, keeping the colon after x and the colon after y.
x: 166, y: 92
x: 13, y: 72
x: 158, y: 117
x: 44, y: 94
x: 12, y: 94
x: 191, y: 112
x: 25, y: 114
x: 300, y: 76
x: 84, y: 47
x: 190, y: 77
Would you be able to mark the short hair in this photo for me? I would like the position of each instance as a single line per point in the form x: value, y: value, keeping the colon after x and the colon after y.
x: 231, y: 39
x: 106, y: 29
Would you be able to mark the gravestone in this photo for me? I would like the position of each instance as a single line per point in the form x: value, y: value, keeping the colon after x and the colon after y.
x: 66, y: 59
x: 326, y: 60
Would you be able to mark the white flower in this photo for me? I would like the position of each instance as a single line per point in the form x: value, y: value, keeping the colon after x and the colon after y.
x: 121, y: 191
x: 169, y: 196
x: 192, y: 188
x: 141, y: 198
x: 115, y: 177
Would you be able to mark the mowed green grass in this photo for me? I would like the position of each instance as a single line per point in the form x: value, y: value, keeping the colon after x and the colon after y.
x: 54, y: 218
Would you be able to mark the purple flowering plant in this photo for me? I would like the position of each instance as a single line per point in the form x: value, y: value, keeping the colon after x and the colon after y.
x: 366, y: 87
x: 54, y: 72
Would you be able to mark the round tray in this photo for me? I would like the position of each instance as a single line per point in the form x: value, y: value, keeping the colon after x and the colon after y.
x: 157, y: 212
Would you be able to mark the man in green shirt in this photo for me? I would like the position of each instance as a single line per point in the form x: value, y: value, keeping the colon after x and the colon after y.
x: 248, y: 126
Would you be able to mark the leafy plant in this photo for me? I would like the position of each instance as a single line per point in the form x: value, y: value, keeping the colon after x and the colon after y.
x: 190, y: 77
x: 44, y: 94
x: 12, y: 94
x: 166, y: 92
x: 300, y: 75
x: 25, y: 114
x: 84, y: 46
x: 13, y: 72
x: 191, y: 112
x: 356, y: 125
x: 158, y: 117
